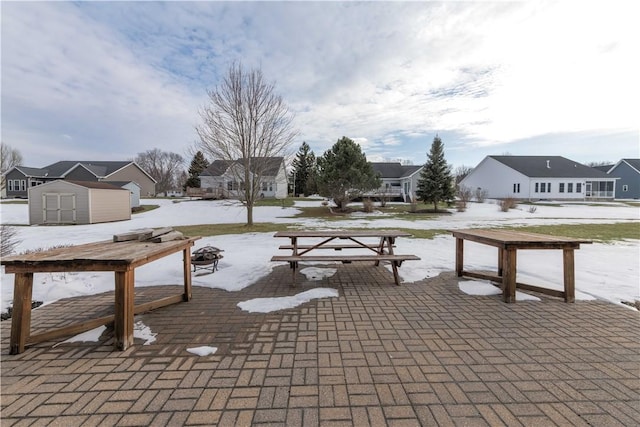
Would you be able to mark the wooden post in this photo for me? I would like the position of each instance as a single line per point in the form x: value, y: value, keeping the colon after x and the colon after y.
x: 509, y: 275
x: 21, y: 316
x: 459, y: 256
x: 569, y: 276
x: 186, y: 255
x: 124, y: 310
x: 500, y: 265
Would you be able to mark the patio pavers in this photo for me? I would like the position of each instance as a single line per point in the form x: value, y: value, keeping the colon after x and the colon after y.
x: 419, y: 354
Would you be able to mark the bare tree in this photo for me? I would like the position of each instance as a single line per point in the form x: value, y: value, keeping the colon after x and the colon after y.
x: 461, y: 172
x: 10, y: 157
x: 8, y: 240
x: 246, y: 122
x: 165, y: 167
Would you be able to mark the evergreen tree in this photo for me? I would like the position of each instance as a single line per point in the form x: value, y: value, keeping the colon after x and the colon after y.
x: 344, y: 173
x: 436, y: 182
x: 198, y: 164
x: 304, y: 166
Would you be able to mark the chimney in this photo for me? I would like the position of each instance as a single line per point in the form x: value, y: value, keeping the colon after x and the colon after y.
x: 548, y: 165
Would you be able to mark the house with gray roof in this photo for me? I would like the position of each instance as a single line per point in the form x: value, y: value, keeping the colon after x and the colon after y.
x: 539, y: 178
x: 399, y: 182
x: 20, y: 178
x: 628, y: 173
x: 226, y: 177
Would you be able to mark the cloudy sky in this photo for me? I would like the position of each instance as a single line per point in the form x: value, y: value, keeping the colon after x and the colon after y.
x: 108, y: 80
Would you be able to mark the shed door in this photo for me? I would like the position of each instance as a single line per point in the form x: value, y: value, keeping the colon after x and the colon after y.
x: 59, y: 208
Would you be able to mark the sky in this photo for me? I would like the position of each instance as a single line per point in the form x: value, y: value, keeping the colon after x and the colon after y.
x: 109, y: 80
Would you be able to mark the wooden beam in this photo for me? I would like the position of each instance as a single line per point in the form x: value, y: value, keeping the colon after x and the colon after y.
x: 21, y: 316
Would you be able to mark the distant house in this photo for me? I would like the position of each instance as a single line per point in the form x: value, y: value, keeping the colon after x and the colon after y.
x: 399, y: 182
x: 221, y: 177
x: 628, y: 173
x: 539, y: 177
x: 78, y: 202
x: 20, y: 178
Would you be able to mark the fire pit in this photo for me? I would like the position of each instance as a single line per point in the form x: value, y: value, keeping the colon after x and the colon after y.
x: 205, y: 258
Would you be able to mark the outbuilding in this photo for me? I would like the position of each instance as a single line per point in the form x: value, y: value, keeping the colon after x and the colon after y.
x: 78, y: 202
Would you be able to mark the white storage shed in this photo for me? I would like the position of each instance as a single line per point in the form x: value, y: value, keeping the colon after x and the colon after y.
x: 78, y: 202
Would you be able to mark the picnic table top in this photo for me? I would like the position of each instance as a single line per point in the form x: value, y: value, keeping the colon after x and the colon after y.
x: 343, y: 233
x: 104, y: 255
x: 514, y: 237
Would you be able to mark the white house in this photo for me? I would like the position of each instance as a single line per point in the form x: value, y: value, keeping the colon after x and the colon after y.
x: 398, y: 181
x: 223, y: 177
x: 539, y: 177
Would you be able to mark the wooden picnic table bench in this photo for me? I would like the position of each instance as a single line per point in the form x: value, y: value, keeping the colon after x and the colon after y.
x: 121, y: 257
x: 338, y: 240
x: 508, y: 242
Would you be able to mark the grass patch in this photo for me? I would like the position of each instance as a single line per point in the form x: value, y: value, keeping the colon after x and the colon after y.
x: 206, y: 230
x: 597, y: 232
x: 144, y: 208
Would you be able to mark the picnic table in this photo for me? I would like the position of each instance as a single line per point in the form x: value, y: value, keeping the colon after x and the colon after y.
x: 378, y: 250
x: 120, y: 257
x: 508, y: 243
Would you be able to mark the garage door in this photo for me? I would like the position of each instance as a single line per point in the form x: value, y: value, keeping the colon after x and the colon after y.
x: 59, y: 208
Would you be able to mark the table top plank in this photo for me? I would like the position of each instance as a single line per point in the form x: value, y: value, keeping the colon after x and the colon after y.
x: 521, y: 239
x: 342, y: 233
x: 106, y: 255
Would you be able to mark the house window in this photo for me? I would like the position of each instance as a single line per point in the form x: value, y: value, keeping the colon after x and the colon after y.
x: 264, y: 186
x: 570, y: 187
x: 516, y: 188
x: 625, y: 188
x: 561, y: 188
x: 548, y: 187
x: 23, y: 185
x: 543, y: 187
x: 10, y: 185
x: 579, y: 187
x: 537, y: 190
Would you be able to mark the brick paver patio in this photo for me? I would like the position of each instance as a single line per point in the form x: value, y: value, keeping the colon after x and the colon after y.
x: 420, y: 354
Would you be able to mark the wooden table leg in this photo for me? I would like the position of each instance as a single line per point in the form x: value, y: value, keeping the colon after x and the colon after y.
x: 509, y: 275
x: 500, y: 260
x: 186, y: 254
x: 21, y: 316
x: 124, y: 310
x: 459, y: 256
x: 569, y: 276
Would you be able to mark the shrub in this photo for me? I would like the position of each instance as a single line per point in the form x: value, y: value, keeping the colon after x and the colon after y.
x: 367, y: 205
x: 481, y: 195
x: 507, y: 203
x: 464, y: 197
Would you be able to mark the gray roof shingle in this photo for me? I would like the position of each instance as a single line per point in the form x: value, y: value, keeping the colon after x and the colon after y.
x: 549, y: 167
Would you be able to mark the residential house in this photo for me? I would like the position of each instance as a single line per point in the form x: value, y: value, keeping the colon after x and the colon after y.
x: 78, y: 202
x: 224, y: 177
x: 399, y: 182
x: 538, y: 178
x: 628, y: 173
x: 20, y: 178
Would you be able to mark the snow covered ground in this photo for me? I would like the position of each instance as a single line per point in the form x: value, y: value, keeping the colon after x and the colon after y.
x: 604, y: 271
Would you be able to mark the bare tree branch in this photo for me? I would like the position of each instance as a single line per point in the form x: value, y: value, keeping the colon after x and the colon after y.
x: 245, y: 121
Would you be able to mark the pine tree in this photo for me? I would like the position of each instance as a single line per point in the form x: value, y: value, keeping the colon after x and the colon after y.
x: 344, y: 173
x: 436, y: 182
x: 304, y: 166
x: 198, y: 164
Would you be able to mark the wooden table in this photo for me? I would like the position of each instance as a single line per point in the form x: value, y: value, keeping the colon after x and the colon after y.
x: 121, y: 258
x: 508, y: 242
x: 381, y: 249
